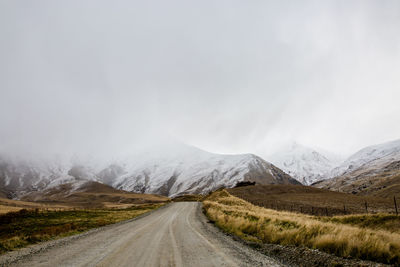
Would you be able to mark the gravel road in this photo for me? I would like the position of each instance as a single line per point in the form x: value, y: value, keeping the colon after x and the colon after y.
x: 175, y: 235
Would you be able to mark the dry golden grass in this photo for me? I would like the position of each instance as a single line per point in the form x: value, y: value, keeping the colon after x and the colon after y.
x: 57, y: 214
x: 91, y: 195
x: 189, y: 197
x: 5, y: 209
x: 382, y: 221
x: 25, y: 227
x: 83, y: 201
x: 259, y: 224
x: 112, y: 205
x: 310, y: 200
x: 10, y: 205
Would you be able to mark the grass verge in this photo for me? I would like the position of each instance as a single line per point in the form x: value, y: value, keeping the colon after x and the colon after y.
x: 25, y: 227
x: 341, y: 236
x: 190, y: 198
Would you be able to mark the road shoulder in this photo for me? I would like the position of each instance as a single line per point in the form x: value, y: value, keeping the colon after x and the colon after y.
x: 286, y: 255
x: 247, y: 254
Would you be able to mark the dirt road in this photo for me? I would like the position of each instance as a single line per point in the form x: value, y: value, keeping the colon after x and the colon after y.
x: 176, y: 235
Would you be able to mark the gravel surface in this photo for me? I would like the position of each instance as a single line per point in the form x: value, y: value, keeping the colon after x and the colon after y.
x: 175, y: 235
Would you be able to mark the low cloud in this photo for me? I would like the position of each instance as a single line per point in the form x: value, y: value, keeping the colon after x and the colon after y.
x: 228, y: 76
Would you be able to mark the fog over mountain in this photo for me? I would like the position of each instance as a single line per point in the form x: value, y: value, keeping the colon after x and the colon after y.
x: 108, y: 78
x: 305, y: 164
x: 168, y: 170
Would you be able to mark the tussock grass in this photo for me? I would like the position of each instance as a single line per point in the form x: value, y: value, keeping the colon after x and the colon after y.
x: 339, y: 235
x: 5, y: 209
x: 381, y: 221
x: 310, y: 200
x: 189, y: 197
x: 25, y: 227
x: 10, y: 205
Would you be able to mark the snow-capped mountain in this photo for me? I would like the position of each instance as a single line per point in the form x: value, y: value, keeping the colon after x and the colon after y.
x: 372, y: 156
x: 367, y: 169
x: 303, y: 163
x: 191, y: 170
x: 19, y: 176
x: 170, y: 171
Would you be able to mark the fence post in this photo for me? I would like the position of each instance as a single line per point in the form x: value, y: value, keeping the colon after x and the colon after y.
x: 326, y: 211
x: 395, y: 205
x: 366, y: 207
x: 344, y: 209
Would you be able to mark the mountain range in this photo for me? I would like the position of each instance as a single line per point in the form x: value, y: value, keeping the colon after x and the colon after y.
x: 176, y: 169
x: 171, y: 170
x: 372, y: 170
x: 305, y: 164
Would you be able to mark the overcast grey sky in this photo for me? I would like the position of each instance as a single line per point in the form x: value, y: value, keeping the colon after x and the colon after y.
x: 226, y: 76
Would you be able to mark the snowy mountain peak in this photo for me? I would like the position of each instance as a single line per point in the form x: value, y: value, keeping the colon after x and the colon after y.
x: 375, y: 155
x: 303, y: 163
x: 195, y: 171
x: 371, y: 170
x: 167, y: 170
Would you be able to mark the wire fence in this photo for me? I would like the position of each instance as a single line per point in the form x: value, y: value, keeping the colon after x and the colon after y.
x: 363, y: 207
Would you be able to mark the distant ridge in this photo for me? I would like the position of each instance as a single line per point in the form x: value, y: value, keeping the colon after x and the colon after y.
x: 170, y: 171
x: 372, y: 170
x: 89, y: 193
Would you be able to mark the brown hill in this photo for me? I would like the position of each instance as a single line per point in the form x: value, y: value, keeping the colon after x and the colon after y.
x: 91, y: 194
x: 310, y: 200
x: 7, y: 205
x: 382, y: 181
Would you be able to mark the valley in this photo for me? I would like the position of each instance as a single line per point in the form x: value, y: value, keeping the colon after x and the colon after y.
x: 179, y: 234
x: 200, y: 133
x: 348, y: 219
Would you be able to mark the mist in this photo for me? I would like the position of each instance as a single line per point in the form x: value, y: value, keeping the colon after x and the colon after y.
x: 110, y: 78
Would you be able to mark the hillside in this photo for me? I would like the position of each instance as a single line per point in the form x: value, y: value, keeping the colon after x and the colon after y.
x: 369, y: 158
x: 194, y: 171
x: 170, y: 170
x: 310, y: 200
x: 84, y: 193
x: 374, y: 170
x: 377, y: 181
x: 11, y: 205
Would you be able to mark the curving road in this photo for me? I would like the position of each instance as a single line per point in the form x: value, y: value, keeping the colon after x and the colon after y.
x: 175, y: 235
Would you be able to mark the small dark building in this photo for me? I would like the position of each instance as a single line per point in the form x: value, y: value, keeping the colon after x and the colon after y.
x: 244, y: 183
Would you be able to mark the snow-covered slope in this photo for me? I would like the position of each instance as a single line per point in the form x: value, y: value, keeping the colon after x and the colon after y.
x: 372, y: 156
x: 191, y: 170
x: 170, y: 171
x: 303, y: 163
x: 21, y: 175
x: 364, y: 169
x: 18, y: 176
